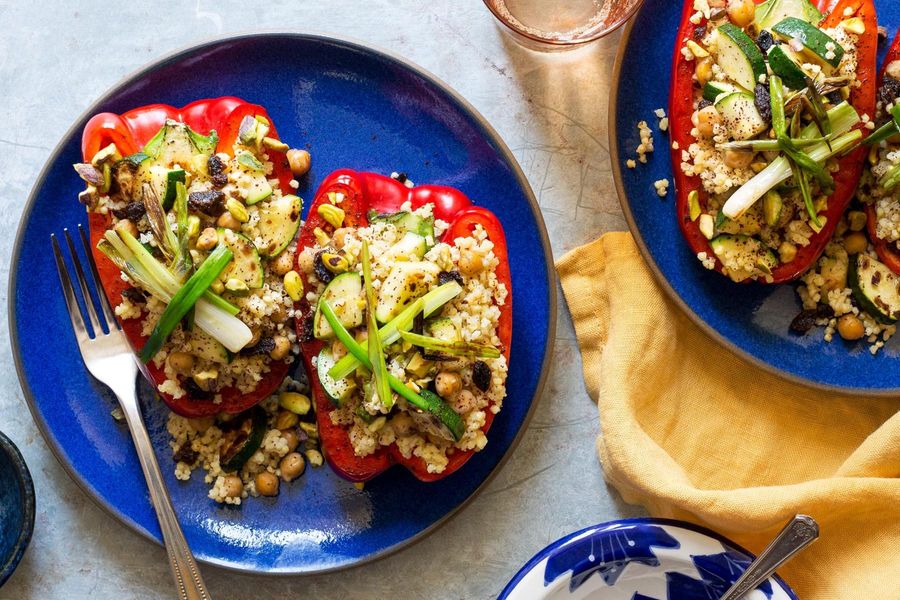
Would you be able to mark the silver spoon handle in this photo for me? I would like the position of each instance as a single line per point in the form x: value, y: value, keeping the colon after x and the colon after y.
x: 796, y: 535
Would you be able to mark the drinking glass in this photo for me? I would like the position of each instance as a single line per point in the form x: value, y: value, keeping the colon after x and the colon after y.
x: 550, y: 25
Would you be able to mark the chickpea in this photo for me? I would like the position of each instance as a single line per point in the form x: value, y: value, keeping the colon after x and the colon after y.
x: 291, y: 438
x: 340, y: 236
x: 283, y: 263
x: 306, y: 260
x: 707, y: 119
x: 281, y: 349
x: 292, y: 466
x: 857, y: 220
x: 233, y: 486
x: 892, y: 69
x: 463, y: 402
x: 127, y: 225
x: 181, y: 362
x: 737, y: 159
x: 402, y: 424
x: 266, y: 484
x: 703, y: 70
x: 286, y: 419
x: 470, y: 263
x: 227, y: 220
x: 207, y: 239
x: 851, y: 327
x: 741, y: 12
x: 787, y: 252
x: 338, y: 350
x: 278, y: 314
x: 447, y: 383
x: 856, y: 242
x: 299, y: 161
x: 256, y: 335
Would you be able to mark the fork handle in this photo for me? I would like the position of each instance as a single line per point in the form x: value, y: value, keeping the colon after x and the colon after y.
x: 181, y: 562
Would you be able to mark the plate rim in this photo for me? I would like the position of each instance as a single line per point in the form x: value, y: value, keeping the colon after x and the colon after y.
x: 547, y: 550
x: 661, y: 279
x: 348, y: 42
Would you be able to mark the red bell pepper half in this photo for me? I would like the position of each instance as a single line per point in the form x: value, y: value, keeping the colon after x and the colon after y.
x: 129, y: 132
x: 887, y: 251
x: 681, y: 108
x: 364, y: 192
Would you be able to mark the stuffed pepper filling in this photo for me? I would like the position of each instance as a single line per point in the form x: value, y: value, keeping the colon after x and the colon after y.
x: 436, y: 369
x: 882, y: 185
x: 203, y: 239
x: 772, y: 114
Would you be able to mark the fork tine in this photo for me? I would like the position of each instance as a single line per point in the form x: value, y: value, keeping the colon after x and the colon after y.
x: 85, y: 291
x: 81, y: 333
x: 104, y: 303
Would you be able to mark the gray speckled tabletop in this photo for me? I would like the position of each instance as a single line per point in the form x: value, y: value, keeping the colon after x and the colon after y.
x: 57, y: 57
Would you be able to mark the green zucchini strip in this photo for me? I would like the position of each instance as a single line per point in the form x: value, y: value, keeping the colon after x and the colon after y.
x: 460, y: 348
x: 374, y: 350
x: 185, y: 299
x: 430, y: 403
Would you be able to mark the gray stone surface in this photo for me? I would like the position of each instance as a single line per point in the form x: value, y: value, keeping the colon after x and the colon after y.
x: 57, y: 57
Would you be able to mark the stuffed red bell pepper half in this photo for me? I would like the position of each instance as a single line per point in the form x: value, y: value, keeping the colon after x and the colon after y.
x: 405, y: 323
x: 768, y: 105
x: 193, y: 224
x: 882, y: 189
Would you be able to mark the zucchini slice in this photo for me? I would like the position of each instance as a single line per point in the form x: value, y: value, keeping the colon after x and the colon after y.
x: 771, y: 12
x: 247, y: 265
x: 816, y: 43
x: 240, y: 442
x: 740, y: 115
x: 875, y: 287
x: 344, y: 295
x: 743, y: 256
x: 337, y: 391
x: 740, y: 57
x: 279, y: 220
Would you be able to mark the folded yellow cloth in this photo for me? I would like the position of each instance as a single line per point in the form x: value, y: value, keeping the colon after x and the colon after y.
x: 693, y: 432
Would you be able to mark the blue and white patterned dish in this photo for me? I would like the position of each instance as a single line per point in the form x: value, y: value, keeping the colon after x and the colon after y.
x: 357, y: 108
x: 639, y: 559
x: 750, y: 320
x: 16, y: 507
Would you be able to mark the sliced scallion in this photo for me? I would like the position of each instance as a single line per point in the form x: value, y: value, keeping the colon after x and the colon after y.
x: 427, y: 402
x: 374, y: 350
x: 458, y: 348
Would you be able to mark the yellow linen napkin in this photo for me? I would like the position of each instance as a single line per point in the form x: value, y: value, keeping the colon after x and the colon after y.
x: 693, y: 432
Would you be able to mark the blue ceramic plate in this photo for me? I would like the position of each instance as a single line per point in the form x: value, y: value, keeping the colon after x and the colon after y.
x: 16, y: 507
x: 356, y: 108
x: 639, y: 559
x: 751, y: 320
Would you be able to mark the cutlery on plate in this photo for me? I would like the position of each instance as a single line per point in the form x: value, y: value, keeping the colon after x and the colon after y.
x: 799, y: 533
x: 110, y: 360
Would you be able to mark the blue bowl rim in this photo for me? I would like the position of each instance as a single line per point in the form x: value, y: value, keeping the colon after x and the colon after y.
x: 349, y: 42
x: 549, y: 548
x: 26, y: 491
x: 661, y: 278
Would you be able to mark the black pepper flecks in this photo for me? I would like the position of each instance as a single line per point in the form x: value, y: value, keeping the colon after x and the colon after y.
x: 481, y: 375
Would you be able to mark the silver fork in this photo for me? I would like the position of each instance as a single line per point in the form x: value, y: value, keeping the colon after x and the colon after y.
x: 110, y: 360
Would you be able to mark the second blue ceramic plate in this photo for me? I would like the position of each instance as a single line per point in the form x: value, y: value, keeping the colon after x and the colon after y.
x: 751, y: 320
x: 355, y: 108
